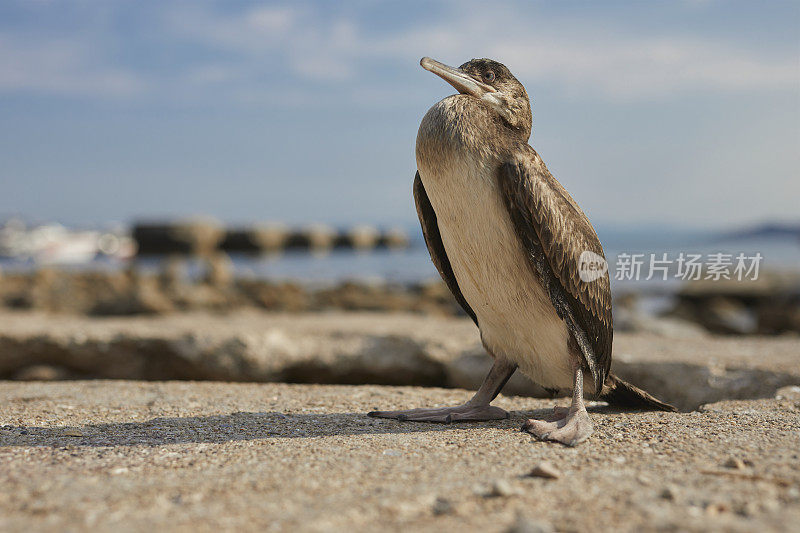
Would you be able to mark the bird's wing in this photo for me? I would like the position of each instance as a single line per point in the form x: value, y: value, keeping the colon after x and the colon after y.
x: 555, y: 233
x: 433, y: 239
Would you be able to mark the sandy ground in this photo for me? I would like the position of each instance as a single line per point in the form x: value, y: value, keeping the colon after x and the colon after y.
x: 132, y: 456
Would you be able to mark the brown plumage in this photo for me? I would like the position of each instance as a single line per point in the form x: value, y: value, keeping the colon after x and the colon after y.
x: 549, y: 221
x: 507, y: 239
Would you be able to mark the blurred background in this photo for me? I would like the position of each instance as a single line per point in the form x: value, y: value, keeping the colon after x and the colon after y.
x: 167, y: 156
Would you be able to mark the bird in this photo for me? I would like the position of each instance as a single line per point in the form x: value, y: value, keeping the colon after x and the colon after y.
x: 517, y: 252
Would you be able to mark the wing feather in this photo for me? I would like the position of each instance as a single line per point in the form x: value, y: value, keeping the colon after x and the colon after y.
x: 433, y: 240
x: 552, y: 226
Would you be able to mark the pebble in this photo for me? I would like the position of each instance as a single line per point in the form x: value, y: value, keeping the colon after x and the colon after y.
x: 442, y: 506
x: 501, y: 489
x: 73, y: 432
x: 735, y: 463
x: 714, y: 509
x: 524, y: 524
x: 791, y: 392
x: 670, y: 492
x: 545, y: 470
x: 770, y: 506
x: 694, y: 511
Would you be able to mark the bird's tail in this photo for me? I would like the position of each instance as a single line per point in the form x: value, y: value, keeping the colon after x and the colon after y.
x: 622, y: 394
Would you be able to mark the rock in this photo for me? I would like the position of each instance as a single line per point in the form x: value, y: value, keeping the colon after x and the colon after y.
x: 501, y: 489
x: 314, y: 237
x: 545, y: 470
x: 219, y: 270
x: 779, y: 315
x: 358, y: 237
x: 767, y: 285
x: 523, y: 524
x: 41, y: 373
x: 767, y: 305
x: 670, y: 492
x: 256, y: 240
x: 734, y: 463
x: 173, y: 272
x: 788, y: 393
x: 144, y: 296
x: 194, y: 236
x: 665, y: 326
x: 725, y: 315
x: 714, y: 509
x: 688, y: 377
x: 73, y: 432
x: 354, y: 348
x: 393, y: 238
x: 442, y: 506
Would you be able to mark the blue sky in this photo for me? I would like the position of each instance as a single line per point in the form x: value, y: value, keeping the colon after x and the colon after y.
x: 684, y: 113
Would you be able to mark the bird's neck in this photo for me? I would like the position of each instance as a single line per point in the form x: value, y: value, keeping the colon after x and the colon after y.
x: 459, y: 127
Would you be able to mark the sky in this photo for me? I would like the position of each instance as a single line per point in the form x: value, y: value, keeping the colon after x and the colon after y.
x: 682, y: 113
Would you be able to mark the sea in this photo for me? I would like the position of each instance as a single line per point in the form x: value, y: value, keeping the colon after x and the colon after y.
x: 660, y: 256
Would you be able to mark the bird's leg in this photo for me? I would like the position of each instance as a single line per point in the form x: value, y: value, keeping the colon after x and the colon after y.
x: 567, y: 426
x: 476, y: 409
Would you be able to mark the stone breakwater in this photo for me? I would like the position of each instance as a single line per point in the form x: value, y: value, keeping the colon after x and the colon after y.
x: 206, y: 237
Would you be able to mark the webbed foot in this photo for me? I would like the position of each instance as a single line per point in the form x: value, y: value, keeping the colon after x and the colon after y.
x: 567, y: 426
x: 445, y: 415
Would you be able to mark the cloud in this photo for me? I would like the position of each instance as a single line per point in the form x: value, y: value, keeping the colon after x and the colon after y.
x: 571, y: 55
x: 291, y: 37
x: 234, y: 51
x: 647, y: 68
x: 61, y: 66
x: 599, y: 61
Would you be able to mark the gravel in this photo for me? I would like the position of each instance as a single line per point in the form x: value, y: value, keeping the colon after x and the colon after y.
x: 205, y: 456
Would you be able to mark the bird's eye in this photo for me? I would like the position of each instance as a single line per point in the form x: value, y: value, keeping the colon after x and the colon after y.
x: 489, y: 76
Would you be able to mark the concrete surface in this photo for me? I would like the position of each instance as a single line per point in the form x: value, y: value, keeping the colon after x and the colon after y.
x: 186, y: 456
x: 357, y: 348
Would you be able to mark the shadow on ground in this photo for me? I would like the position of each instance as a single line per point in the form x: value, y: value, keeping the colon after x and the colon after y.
x: 238, y: 427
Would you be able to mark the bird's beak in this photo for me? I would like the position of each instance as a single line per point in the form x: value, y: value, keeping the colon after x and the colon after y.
x: 463, y: 82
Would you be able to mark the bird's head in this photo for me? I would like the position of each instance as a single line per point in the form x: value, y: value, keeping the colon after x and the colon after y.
x: 492, y: 83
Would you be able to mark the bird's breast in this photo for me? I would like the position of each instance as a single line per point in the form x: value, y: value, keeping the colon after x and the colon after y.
x: 515, y: 315
x: 454, y: 128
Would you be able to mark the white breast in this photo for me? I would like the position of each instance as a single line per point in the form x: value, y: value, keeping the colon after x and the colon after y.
x: 515, y: 315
